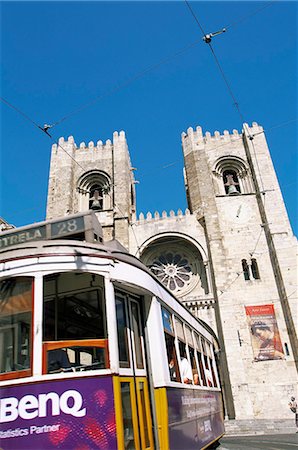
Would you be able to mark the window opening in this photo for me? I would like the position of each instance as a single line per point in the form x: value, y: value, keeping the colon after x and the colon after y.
x: 186, y: 370
x: 231, y: 182
x: 202, y: 372
x: 185, y: 367
x: 141, y: 389
x: 211, y: 365
x: 170, y: 346
x: 245, y: 269
x: 129, y: 440
x: 255, y: 269
x: 179, y: 329
x: 15, y: 324
x: 74, y: 322
x: 136, y: 322
x: 121, y: 315
x: 206, y: 364
x: 199, y: 359
x: 191, y: 351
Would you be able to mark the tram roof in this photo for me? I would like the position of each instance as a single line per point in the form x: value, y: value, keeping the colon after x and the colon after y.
x: 112, y: 249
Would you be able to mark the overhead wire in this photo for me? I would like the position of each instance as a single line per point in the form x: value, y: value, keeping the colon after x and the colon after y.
x: 234, y: 139
x: 145, y: 71
x: 68, y: 154
x: 252, y: 13
x: 126, y: 83
x: 19, y: 111
x: 228, y: 85
x: 160, y: 63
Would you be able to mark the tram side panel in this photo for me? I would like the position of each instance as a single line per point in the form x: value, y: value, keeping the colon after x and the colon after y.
x: 188, y: 415
x: 195, y: 417
x: 66, y: 413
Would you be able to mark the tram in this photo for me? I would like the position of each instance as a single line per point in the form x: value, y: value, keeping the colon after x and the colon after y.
x: 95, y: 353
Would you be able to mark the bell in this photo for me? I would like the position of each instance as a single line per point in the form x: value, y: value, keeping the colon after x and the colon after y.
x: 96, y: 200
x: 232, y: 190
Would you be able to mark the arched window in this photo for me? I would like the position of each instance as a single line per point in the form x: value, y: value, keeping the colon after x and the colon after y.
x: 232, y: 176
x: 94, y: 191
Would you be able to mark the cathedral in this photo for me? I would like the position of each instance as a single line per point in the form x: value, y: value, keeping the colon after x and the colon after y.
x: 230, y: 257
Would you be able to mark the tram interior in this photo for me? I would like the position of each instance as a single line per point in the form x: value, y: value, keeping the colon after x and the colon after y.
x: 74, y: 310
x: 15, y: 324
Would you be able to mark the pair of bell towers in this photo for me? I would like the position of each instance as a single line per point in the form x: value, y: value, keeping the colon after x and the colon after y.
x: 230, y: 257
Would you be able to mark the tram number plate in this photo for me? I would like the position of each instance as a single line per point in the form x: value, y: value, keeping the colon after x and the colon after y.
x: 67, y: 227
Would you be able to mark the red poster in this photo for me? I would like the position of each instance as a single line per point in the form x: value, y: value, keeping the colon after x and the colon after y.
x: 264, y: 332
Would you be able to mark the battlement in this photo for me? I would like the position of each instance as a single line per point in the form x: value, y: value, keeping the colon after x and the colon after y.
x: 164, y: 215
x: 198, y: 136
x: 70, y: 142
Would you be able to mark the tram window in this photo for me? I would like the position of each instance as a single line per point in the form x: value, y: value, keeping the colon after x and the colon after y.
x: 186, y: 370
x: 211, y: 364
x: 207, y: 366
x: 199, y: 358
x: 170, y: 345
x: 172, y: 358
x: 136, y: 320
x: 179, y: 329
x: 15, y: 324
x: 167, y: 321
x: 78, y: 358
x: 194, y: 368
x: 129, y: 441
x: 143, y: 412
x: 74, y: 315
x: 189, y: 339
x: 122, y: 332
x: 202, y: 372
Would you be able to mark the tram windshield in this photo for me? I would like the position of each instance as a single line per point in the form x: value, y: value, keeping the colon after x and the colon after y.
x: 74, y: 322
x: 15, y: 324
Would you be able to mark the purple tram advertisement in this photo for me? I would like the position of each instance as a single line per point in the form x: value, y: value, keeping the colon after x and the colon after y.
x: 195, y: 418
x: 73, y: 414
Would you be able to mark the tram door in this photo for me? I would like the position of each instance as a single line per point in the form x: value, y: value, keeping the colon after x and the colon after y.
x: 133, y: 412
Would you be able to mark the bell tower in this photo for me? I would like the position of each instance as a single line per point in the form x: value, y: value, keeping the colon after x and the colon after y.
x: 98, y: 177
x: 233, y: 191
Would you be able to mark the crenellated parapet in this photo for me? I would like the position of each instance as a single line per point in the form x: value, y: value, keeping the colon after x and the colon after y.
x: 149, y: 217
x: 196, y: 135
x: 118, y: 137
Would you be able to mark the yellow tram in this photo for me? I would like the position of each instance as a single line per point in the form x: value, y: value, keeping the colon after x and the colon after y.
x: 95, y: 352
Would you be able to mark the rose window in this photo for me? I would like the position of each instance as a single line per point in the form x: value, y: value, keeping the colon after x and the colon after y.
x: 173, y: 270
x: 178, y: 267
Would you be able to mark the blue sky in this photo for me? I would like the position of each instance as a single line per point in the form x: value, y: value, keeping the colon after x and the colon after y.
x: 57, y: 56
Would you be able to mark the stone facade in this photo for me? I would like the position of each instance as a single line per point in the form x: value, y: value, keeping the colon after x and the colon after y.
x: 231, y: 249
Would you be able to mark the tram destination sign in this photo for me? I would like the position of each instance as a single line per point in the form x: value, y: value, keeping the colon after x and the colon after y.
x: 18, y: 237
x: 75, y: 227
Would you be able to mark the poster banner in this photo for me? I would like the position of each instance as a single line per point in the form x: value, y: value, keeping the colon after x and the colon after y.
x: 264, y: 333
x: 76, y: 414
x: 195, y: 417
